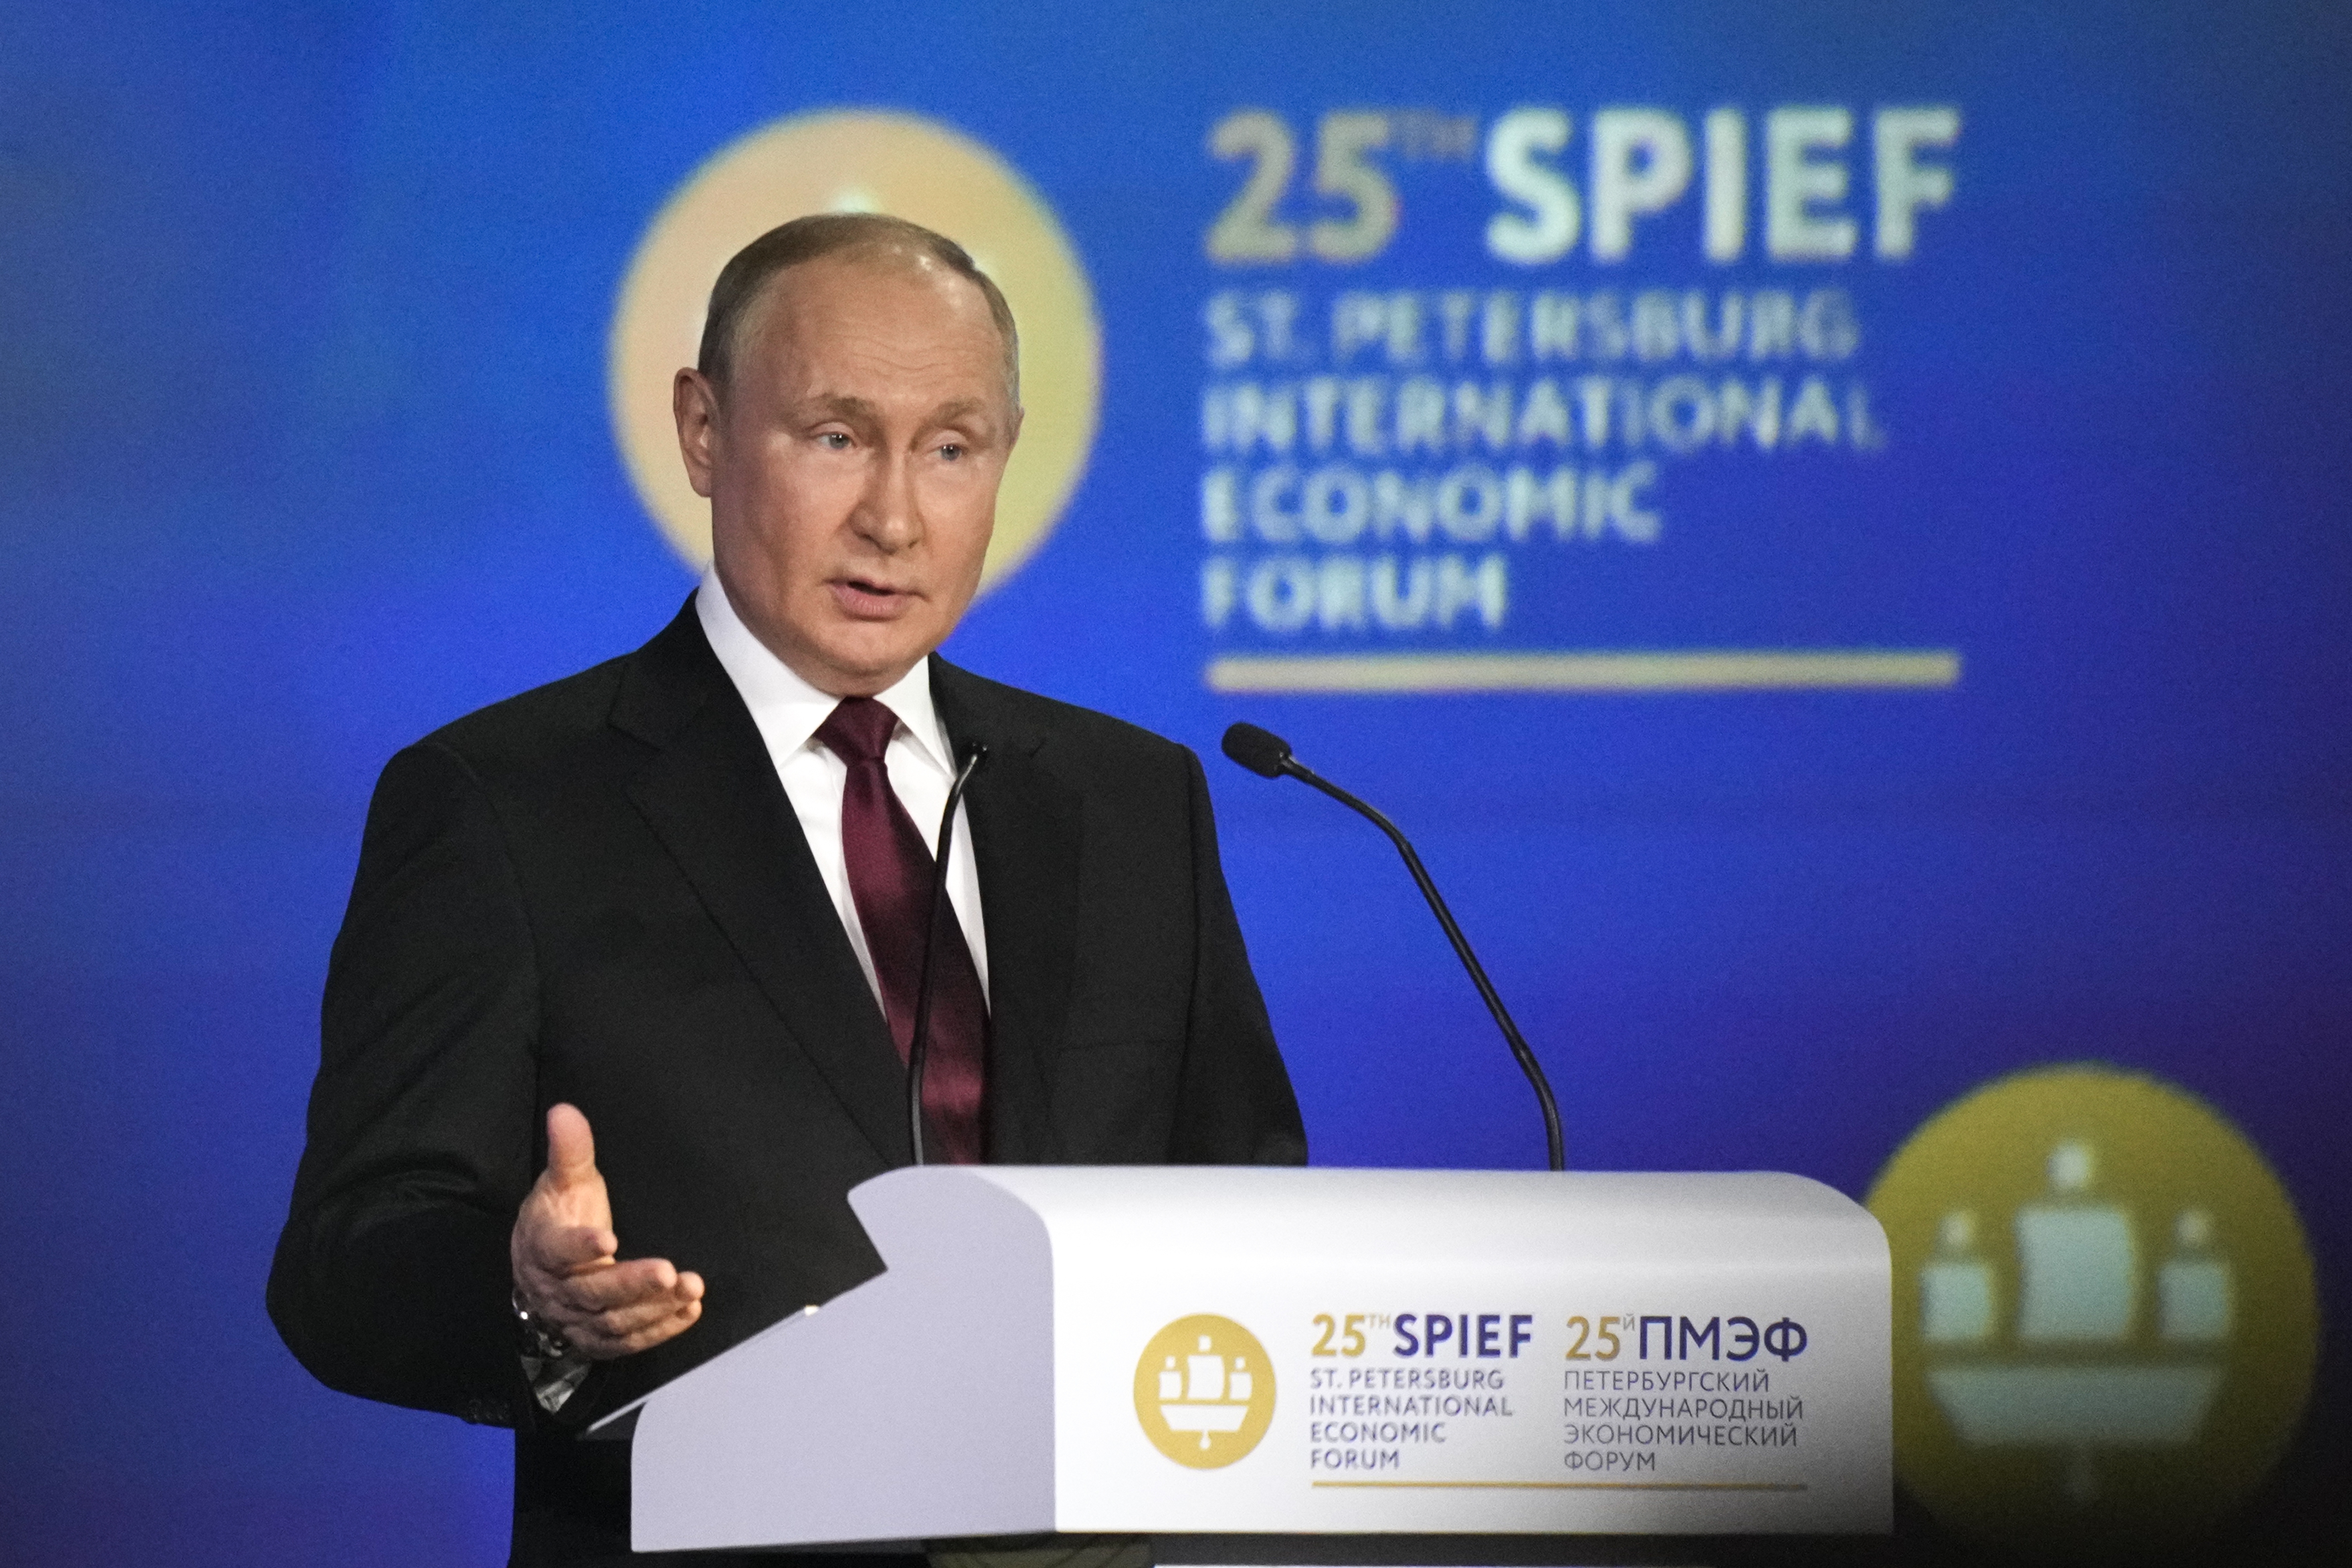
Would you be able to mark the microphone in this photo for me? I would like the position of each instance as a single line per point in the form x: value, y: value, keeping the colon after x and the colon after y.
x: 1269, y: 755
x: 918, y: 1044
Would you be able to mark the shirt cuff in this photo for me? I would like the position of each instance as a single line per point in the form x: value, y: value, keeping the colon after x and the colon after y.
x: 553, y: 1379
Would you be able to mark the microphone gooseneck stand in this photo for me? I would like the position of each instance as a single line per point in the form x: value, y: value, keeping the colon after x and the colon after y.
x: 919, y: 1042
x: 1269, y: 755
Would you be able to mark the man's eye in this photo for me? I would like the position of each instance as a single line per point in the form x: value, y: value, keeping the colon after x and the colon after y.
x: 951, y: 450
x: 833, y: 441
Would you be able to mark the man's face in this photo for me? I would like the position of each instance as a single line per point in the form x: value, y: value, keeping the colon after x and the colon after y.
x: 851, y: 465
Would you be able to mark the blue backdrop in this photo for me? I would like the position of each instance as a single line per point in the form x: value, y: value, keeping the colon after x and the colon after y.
x: 306, y: 450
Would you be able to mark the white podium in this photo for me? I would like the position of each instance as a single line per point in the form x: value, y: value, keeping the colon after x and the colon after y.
x: 1243, y: 1352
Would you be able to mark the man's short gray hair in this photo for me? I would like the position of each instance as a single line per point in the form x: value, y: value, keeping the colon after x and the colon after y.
x: 747, y: 276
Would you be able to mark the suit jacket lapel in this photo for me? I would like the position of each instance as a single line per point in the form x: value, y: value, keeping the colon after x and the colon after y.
x: 1026, y: 828
x: 711, y: 795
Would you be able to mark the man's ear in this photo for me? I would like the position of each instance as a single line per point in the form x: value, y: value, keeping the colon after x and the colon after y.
x: 694, y: 401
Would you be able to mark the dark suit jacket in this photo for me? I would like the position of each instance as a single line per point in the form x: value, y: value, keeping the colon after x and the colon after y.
x: 598, y: 892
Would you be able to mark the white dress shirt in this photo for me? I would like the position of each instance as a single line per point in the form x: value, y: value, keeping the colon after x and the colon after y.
x: 789, y: 711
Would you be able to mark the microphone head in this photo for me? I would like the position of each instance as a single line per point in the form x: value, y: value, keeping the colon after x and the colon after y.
x: 1262, y: 751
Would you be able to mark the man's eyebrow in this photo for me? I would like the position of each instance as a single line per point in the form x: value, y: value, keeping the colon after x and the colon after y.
x: 845, y: 407
x: 961, y: 408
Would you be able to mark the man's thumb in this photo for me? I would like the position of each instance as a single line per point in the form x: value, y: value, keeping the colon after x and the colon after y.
x: 571, y: 1147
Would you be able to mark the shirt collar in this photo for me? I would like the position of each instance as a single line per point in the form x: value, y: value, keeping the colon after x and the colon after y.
x: 787, y: 709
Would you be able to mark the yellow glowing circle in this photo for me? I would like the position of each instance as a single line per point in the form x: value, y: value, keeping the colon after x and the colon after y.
x: 2105, y: 1317
x: 1204, y: 1392
x: 861, y: 161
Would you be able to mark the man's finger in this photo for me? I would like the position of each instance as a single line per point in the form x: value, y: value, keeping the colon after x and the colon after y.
x: 600, y: 1289
x: 571, y: 1147
x: 565, y: 1249
x: 668, y: 1328
x: 621, y: 1323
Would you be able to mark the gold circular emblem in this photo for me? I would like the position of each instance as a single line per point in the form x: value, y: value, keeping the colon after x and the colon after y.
x: 1204, y: 1392
x: 860, y: 161
x: 2105, y: 1317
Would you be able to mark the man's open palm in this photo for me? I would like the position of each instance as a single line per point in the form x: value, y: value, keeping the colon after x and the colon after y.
x: 566, y: 1258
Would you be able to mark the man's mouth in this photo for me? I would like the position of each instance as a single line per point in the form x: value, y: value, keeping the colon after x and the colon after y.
x: 866, y: 598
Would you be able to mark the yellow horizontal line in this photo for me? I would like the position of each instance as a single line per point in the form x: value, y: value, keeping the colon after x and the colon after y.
x: 1579, y: 1486
x: 1688, y: 669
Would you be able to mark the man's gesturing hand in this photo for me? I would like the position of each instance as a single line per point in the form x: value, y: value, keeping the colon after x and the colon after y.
x: 565, y: 1251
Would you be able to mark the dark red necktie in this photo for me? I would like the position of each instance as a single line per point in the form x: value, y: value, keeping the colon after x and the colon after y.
x: 890, y: 876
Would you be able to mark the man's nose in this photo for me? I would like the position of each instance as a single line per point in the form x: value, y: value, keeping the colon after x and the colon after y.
x: 888, y: 513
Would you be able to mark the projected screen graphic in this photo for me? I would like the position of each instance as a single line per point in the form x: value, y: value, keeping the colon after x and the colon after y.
x: 1827, y: 527
x: 1423, y: 447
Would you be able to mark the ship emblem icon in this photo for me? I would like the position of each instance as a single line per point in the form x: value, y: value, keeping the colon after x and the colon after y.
x: 1204, y: 1392
x: 2105, y: 1323
x: 1209, y: 1395
x: 2079, y: 1289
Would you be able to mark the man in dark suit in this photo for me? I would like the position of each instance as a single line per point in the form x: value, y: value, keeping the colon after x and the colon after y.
x: 666, y: 899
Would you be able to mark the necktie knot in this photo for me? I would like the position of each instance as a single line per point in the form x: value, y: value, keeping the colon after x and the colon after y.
x: 858, y: 730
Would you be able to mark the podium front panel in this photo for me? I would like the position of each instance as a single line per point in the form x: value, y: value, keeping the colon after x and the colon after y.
x: 1343, y: 1352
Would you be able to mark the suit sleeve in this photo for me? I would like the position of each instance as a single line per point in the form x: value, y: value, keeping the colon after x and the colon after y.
x: 391, y: 1276
x: 1235, y: 1103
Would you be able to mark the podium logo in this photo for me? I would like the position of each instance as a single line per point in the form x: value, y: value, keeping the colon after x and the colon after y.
x: 2105, y: 1320
x: 860, y: 161
x: 1204, y: 1392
